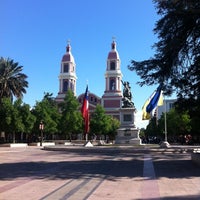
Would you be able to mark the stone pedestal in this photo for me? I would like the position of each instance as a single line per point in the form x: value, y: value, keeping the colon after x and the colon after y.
x: 127, y: 133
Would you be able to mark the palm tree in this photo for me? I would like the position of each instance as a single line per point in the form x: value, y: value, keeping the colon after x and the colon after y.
x: 12, y: 80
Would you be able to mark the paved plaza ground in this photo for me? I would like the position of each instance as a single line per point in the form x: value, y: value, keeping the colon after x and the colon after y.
x: 98, y: 173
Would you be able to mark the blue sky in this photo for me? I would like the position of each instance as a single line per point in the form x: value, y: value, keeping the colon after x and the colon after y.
x: 35, y: 33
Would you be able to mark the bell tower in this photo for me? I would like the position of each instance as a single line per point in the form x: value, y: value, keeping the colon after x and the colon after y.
x: 67, y: 77
x: 112, y: 97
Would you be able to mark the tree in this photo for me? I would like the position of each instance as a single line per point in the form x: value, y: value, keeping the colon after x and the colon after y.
x: 176, y: 63
x: 114, y: 125
x: 15, y: 118
x: 142, y: 132
x: 6, y: 109
x: 152, y: 128
x: 47, y: 111
x: 16, y: 125
x: 12, y: 80
x: 28, y: 119
x: 71, y: 120
x: 177, y: 123
x: 102, y: 124
x: 11, y: 120
x: 97, y: 121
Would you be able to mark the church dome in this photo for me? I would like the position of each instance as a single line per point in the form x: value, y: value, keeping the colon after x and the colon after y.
x: 68, y: 57
x: 113, y: 54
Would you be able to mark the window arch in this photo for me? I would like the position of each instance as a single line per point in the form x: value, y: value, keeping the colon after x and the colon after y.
x: 66, y: 68
x: 112, y: 84
x: 65, y: 85
x: 72, y: 86
x: 112, y: 65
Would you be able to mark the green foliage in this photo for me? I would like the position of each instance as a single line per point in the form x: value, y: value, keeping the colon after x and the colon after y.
x: 98, y: 121
x: 142, y: 133
x: 114, y: 125
x: 11, y: 119
x: 47, y: 112
x: 28, y: 118
x: 193, y: 111
x: 102, y: 124
x: 176, y: 63
x: 6, y: 109
x: 152, y: 128
x: 12, y: 80
x: 17, y: 122
x: 71, y: 120
x: 177, y: 123
x: 15, y: 117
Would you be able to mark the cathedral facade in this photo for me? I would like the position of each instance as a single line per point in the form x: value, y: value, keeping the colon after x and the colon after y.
x: 111, y: 100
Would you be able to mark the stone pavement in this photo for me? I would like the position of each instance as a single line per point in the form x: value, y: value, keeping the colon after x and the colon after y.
x: 96, y: 173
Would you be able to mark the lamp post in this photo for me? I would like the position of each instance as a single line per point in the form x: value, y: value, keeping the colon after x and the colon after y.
x: 41, y: 128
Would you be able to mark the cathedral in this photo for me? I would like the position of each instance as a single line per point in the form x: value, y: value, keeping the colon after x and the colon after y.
x: 111, y: 100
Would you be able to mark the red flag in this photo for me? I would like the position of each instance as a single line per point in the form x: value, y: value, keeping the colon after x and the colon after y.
x: 85, y: 110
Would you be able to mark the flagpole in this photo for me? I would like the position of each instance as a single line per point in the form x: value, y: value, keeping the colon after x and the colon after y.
x: 165, y: 121
x: 86, y: 137
x: 85, y: 112
x: 86, y: 134
x: 165, y: 144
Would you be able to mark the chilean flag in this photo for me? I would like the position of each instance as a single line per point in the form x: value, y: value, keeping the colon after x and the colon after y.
x: 85, y: 110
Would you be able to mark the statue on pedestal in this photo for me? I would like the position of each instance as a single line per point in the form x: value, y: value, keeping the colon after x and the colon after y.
x: 127, y: 95
x: 127, y: 133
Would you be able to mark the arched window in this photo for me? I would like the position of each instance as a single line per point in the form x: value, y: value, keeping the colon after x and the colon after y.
x: 112, y: 84
x: 72, y: 86
x: 112, y: 65
x: 65, y: 85
x: 66, y: 68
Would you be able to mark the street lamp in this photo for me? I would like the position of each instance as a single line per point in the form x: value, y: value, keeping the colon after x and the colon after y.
x: 41, y: 128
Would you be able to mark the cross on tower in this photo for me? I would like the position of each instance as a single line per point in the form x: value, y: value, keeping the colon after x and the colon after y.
x: 68, y: 41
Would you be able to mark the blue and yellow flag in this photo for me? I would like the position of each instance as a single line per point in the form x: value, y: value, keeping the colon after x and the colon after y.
x: 156, y: 99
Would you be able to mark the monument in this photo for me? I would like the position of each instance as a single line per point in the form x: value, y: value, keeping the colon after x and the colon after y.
x: 127, y: 132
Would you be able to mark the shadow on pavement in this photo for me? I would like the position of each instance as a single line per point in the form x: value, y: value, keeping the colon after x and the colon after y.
x: 188, y: 197
x: 106, y: 165
x: 72, y: 169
